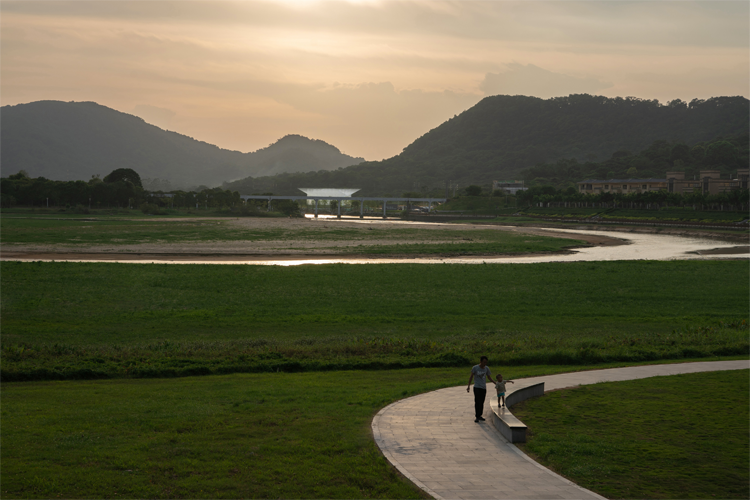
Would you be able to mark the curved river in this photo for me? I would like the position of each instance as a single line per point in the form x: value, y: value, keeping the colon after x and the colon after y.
x: 637, y: 247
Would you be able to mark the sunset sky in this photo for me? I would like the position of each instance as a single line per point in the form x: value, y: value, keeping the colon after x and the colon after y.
x: 366, y: 76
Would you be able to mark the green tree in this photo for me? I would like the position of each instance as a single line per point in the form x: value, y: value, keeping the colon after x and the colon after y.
x: 124, y: 175
x: 473, y: 190
x: 287, y: 207
x: 698, y: 152
x: 721, y: 153
x: 680, y: 152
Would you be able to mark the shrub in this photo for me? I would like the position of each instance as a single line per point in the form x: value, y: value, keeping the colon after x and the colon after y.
x: 151, y: 209
x: 287, y: 207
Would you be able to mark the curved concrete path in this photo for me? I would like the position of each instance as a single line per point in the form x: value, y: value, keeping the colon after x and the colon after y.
x: 433, y: 440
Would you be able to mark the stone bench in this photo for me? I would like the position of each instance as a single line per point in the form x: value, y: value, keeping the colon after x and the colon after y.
x: 504, y: 421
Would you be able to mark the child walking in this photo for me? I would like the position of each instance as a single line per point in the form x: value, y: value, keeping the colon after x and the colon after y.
x: 500, y: 387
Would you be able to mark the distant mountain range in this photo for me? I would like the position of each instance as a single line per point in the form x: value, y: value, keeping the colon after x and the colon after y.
x: 501, y: 136
x: 497, y: 139
x: 75, y: 140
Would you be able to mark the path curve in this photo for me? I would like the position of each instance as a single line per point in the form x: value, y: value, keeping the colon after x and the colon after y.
x: 432, y: 439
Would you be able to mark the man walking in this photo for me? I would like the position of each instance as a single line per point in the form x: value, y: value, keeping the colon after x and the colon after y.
x: 480, y: 373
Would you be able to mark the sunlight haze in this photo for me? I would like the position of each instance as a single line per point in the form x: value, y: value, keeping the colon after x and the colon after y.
x: 368, y: 77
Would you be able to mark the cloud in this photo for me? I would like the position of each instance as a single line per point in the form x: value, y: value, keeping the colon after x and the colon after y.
x: 532, y: 80
x: 714, y: 23
x: 370, y: 119
x: 699, y: 83
x: 241, y: 74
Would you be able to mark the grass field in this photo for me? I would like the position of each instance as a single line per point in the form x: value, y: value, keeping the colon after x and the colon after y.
x: 673, y: 214
x: 68, y: 320
x: 684, y: 436
x: 273, y: 435
x: 497, y: 206
x: 123, y: 232
x: 299, y: 435
x: 129, y: 213
x: 67, y: 234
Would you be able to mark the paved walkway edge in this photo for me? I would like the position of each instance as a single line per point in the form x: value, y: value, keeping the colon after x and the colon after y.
x: 392, y: 460
x: 420, y: 435
x: 554, y: 474
x: 422, y: 486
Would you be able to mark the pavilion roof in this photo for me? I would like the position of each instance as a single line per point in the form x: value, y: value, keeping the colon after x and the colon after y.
x: 329, y: 192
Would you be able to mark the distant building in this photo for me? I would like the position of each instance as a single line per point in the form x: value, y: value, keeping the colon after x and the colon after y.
x: 510, y: 187
x: 327, y: 193
x: 708, y: 182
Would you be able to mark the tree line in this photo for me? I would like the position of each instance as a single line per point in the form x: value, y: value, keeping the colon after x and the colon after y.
x: 550, y: 196
x: 122, y: 188
x: 723, y: 154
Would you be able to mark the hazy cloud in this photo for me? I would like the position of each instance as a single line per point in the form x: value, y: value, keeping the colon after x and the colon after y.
x: 367, y: 76
x: 532, y: 80
x: 389, y: 115
x: 712, y: 22
x: 366, y: 119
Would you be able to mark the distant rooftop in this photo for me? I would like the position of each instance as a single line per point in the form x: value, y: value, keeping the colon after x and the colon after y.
x: 329, y: 192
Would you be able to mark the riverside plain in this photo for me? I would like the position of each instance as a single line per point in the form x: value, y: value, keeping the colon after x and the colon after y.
x: 195, y: 398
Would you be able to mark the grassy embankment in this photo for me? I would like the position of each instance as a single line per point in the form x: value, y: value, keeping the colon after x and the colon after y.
x: 74, y: 234
x: 66, y: 320
x: 684, y: 436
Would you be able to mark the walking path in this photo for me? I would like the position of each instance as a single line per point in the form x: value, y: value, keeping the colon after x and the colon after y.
x: 433, y: 440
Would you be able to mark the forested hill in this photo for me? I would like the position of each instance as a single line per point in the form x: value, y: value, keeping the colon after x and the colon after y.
x: 503, y: 135
x: 75, y: 140
x: 726, y: 155
x: 295, y: 153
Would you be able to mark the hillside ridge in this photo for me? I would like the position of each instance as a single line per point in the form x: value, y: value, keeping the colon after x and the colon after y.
x: 502, y: 136
x: 76, y: 140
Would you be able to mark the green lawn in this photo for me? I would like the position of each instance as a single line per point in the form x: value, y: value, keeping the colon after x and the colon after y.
x: 238, y: 436
x: 307, y: 435
x: 110, y: 231
x: 69, y: 320
x: 274, y: 435
x: 73, y: 233
x: 684, y: 436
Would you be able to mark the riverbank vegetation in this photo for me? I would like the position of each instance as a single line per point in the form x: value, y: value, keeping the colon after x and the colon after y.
x: 661, y: 437
x: 639, y: 211
x: 666, y: 214
x: 68, y: 320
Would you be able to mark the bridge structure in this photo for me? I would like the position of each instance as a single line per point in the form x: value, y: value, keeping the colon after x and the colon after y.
x: 339, y: 199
